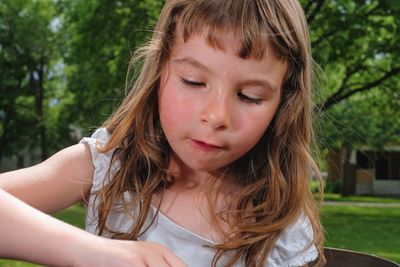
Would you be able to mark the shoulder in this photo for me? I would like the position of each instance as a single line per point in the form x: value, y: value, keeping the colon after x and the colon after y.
x: 295, y: 245
x: 100, y: 137
x: 97, y: 140
x: 101, y: 161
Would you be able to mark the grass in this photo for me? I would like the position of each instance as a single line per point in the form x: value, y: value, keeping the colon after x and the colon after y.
x: 74, y: 215
x: 366, y: 229
x: 368, y: 199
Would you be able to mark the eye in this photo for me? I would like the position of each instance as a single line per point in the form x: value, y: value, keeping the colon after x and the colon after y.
x: 249, y: 99
x: 192, y: 83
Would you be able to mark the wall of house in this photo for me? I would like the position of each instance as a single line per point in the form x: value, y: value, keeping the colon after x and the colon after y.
x: 386, y: 187
x: 364, y: 181
x: 378, y: 173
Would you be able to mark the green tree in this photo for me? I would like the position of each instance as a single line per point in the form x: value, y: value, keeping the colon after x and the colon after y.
x: 357, y: 44
x: 101, y: 38
x: 27, y: 54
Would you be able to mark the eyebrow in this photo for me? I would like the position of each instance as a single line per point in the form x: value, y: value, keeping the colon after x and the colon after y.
x: 255, y: 82
x: 193, y: 62
x: 263, y: 83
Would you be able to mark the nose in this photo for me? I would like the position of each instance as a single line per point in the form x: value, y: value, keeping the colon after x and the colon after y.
x: 217, y: 112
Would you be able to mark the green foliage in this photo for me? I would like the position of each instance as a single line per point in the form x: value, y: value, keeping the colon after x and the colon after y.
x: 371, y: 118
x: 357, y: 45
x: 87, y: 49
x: 102, y: 36
x: 333, y: 186
x: 22, y: 50
x: 31, y: 87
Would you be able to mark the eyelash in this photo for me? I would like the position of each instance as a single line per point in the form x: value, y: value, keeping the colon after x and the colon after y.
x: 242, y: 96
x: 192, y: 83
x: 249, y: 100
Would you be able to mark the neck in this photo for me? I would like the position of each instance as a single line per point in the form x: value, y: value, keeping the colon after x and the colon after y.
x: 187, y: 179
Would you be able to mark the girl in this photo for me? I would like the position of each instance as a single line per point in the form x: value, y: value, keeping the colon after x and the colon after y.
x: 209, y: 154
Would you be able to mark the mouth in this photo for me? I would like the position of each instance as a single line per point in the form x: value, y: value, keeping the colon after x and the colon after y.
x: 206, y: 146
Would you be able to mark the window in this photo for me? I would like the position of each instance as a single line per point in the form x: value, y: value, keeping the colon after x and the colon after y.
x: 386, y: 164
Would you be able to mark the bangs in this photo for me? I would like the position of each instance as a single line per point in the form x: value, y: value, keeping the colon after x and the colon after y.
x: 245, y: 20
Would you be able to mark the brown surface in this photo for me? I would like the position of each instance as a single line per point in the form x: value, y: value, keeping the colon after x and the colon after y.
x: 347, y: 258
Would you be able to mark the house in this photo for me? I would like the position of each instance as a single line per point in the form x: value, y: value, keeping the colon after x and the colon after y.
x: 368, y: 172
x: 378, y: 173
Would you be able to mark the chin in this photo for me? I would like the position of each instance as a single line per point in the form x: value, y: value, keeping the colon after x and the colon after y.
x: 209, y: 168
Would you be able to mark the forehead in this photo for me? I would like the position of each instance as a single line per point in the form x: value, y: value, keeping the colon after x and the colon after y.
x: 224, y: 60
x: 249, y: 21
x: 228, y: 40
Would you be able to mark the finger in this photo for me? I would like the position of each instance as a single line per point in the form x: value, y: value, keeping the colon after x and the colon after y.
x: 173, y: 260
x: 157, y: 261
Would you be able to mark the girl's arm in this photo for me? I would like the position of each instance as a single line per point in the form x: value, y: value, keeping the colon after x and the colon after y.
x: 31, y: 235
x: 24, y: 232
x: 28, y: 234
x: 54, y: 184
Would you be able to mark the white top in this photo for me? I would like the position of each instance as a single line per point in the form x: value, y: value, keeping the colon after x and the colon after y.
x: 291, y: 249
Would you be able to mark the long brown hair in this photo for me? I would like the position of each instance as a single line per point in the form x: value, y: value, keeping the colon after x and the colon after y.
x: 275, y: 173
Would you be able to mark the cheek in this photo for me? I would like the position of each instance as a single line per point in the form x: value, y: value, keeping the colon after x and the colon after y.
x: 251, y: 134
x: 253, y: 126
x: 175, y: 111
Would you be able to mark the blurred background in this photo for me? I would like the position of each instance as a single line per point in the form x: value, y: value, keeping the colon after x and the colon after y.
x: 63, y: 67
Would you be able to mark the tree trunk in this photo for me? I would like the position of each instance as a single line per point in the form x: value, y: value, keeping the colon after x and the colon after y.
x: 2, y: 144
x: 349, y: 174
x: 40, y: 110
x: 334, y: 161
x: 4, y: 136
x: 1, y: 157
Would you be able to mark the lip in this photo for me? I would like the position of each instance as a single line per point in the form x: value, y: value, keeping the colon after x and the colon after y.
x: 205, y: 146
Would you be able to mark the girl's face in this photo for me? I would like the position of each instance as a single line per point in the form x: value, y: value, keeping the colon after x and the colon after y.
x: 214, y: 106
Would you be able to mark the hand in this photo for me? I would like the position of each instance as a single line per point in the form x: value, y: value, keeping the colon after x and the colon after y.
x: 108, y: 252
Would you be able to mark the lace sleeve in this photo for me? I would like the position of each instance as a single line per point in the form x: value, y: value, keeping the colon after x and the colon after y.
x: 294, y: 247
